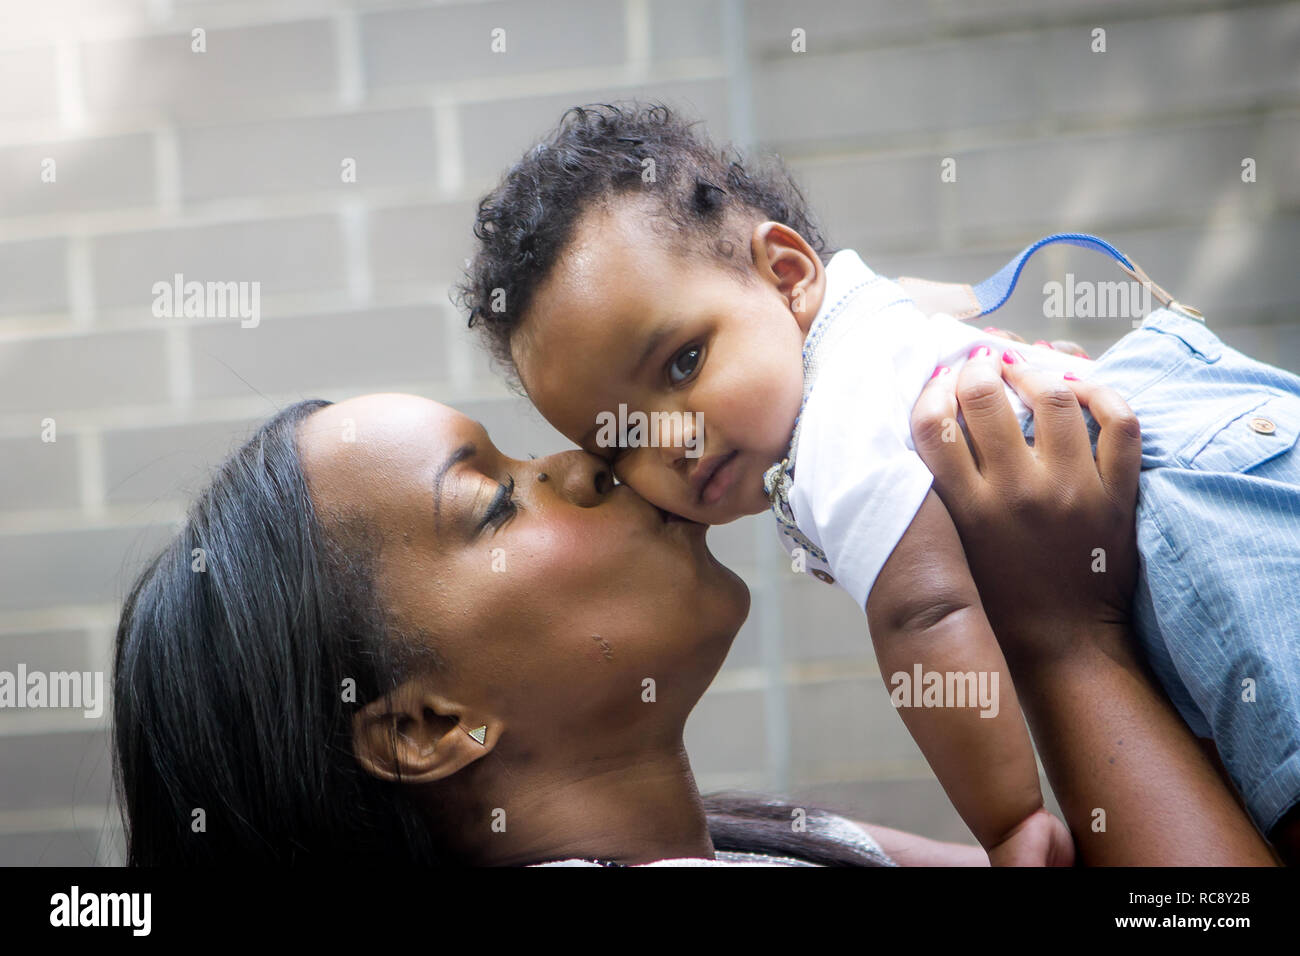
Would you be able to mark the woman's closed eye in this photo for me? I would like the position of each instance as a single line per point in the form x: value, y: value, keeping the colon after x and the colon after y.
x: 685, y: 364
x: 502, y: 507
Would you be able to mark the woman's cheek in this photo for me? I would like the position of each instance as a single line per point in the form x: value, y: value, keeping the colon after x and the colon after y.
x: 561, y: 549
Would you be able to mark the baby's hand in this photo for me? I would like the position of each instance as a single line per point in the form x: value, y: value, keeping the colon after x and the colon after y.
x: 1040, y: 840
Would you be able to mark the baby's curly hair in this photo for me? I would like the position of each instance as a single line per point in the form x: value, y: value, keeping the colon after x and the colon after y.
x: 705, y: 195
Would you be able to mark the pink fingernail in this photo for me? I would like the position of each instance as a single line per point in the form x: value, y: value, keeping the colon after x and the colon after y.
x: 1011, y: 357
x: 1071, y: 376
x: 941, y: 370
x: 990, y: 328
x: 980, y: 351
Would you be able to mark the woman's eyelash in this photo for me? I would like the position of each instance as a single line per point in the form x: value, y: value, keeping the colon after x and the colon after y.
x: 503, y: 505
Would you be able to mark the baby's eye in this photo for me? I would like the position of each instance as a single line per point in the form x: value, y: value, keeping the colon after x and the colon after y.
x: 684, y: 364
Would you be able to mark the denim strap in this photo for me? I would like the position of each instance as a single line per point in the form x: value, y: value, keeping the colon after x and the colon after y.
x: 967, y: 301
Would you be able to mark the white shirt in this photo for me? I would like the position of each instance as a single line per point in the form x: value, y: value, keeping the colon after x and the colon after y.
x: 857, y: 481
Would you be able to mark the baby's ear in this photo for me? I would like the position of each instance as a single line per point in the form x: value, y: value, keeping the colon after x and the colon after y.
x: 784, y: 259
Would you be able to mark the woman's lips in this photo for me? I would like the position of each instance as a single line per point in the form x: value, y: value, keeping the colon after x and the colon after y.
x: 716, y: 477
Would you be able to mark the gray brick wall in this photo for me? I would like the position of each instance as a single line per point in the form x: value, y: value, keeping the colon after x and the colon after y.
x: 226, y: 165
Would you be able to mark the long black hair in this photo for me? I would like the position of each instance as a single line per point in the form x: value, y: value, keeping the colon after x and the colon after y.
x: 242, y: 653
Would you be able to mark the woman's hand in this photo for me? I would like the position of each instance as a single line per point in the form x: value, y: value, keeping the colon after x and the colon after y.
x: 1048, y: 533
x: 1132, y: 782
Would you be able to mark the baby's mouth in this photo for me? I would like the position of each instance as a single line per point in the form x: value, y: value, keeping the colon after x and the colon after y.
x: 709, y: 480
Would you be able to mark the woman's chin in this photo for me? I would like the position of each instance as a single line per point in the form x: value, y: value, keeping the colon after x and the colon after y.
x: 735, y: 586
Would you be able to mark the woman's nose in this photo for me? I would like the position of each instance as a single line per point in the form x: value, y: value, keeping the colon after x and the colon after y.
x: 580, y: 477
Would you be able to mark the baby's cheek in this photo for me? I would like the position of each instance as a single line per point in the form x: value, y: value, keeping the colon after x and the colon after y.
x: 764, y: 398
x: 657, y: 487
x: 763, y: 423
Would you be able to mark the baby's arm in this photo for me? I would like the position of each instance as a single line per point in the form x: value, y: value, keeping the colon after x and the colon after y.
x: 924, y: 609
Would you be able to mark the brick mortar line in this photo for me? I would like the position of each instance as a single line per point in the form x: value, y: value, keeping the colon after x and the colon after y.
x: 45, y: 819
x: 893, y: 770
x: 81, y: 617
x: 1280, y: 110
x: 350, y: 64
x: 413, y: 99
x: 215, y: 410
x: 90, y: 473
x: 70, y: 721
x: 475, y: 91
x: 80, y: 282
x: 198, y: 214
x: 114, y: 27
x: 131, y: 516
x: 385, y: 100
x: 1014, y: 236
x: 67, y: 72
x: 1012, y: 24
x: 59, y: 325
x: 983, y: 138
x: 637, y: 38
x: 110, y: 28
x: 169, y: 189
x: 354, y: 228
x: 753, y: 678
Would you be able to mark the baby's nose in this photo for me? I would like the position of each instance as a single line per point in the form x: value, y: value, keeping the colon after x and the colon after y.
x: 679, y: 439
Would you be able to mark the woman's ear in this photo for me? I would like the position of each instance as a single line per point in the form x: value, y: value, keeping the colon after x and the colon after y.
x: 784, y: 259
x: 413, y: 735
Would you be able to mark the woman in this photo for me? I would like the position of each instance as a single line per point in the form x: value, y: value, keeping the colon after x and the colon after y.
x: 378, y: 640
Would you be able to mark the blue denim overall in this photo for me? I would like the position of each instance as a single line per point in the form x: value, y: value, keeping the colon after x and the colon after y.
x: 1217, y: 606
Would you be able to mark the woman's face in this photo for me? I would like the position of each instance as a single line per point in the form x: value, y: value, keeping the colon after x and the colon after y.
x: 551, y: 607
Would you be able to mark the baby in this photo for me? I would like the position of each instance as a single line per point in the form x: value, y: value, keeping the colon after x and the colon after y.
x: 625, y: 264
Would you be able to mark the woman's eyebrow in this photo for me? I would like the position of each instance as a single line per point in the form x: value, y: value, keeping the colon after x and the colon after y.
x: 466, y: 450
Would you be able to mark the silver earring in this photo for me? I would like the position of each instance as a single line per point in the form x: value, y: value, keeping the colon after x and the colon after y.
x: 479, y: 733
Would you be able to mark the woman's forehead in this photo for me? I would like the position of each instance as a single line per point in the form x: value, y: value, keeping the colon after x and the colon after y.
x: 350, y: 443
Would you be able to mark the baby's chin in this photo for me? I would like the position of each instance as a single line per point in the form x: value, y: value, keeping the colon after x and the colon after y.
x: 732, y: 508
